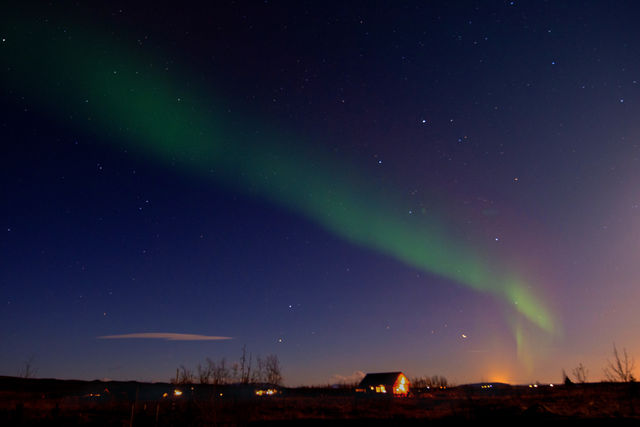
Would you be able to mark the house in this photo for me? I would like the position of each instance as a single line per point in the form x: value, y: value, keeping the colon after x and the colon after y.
x: 384, y: 383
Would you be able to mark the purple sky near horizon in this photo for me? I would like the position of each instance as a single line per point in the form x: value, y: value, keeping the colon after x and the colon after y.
x: 516, y: 121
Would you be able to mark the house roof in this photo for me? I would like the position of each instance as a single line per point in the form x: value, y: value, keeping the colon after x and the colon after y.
x: 387, y: 378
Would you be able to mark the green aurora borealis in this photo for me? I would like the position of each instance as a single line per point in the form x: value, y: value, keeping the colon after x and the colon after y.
x: 102, y: 87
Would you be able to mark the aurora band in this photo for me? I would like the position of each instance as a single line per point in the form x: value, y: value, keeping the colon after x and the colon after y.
x: 113, y: 91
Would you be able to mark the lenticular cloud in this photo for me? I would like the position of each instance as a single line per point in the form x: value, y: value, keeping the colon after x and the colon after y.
x: 167, y: 336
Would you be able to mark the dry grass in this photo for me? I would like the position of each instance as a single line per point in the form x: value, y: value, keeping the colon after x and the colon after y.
x: 589, y: 402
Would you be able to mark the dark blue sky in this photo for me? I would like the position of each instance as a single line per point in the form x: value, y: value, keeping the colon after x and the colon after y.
x: 513, y: 123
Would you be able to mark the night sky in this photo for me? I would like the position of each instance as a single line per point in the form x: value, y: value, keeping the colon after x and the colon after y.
x: 441, y: 187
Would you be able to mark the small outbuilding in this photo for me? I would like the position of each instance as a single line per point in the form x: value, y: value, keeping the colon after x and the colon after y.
x: 384, y: 383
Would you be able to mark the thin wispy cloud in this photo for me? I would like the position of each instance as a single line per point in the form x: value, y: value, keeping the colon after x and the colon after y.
x: 167, y: 336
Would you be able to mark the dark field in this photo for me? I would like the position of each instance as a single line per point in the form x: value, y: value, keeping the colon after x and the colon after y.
x: 56, y: 402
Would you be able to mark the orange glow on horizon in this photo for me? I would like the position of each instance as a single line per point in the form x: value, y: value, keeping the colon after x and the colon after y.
x: 499, y: 377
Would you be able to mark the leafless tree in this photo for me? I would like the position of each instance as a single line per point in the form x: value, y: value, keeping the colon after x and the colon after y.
x: 418, y: 382
x: 235, y: 371
x: 272, y: 368
x: 245, y: 366
x: 27, y: 370
x: 621, y: 369
x: 258, y: 374
x: 185, y: 376
x: 439, y: 381
x: 432, y: 382
x: 580, y: 373
x: 205, y: 373
x: 220, y: 372
x: 243, y: 363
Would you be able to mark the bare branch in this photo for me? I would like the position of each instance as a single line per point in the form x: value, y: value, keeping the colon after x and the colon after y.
x: 28, y: 370
x: 580, y: 373
x: 621, y: 369
x: 273, y: 370
x: 185, y: 376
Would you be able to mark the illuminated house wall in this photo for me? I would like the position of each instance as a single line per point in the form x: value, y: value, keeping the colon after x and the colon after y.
x: 385, y: 383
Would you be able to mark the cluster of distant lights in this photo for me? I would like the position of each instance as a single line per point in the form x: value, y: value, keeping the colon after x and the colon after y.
x: 267, y: 392
x: 96, y: 395
x: 400, y: 389
x: 487, y: 386
x: 178, y: 393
